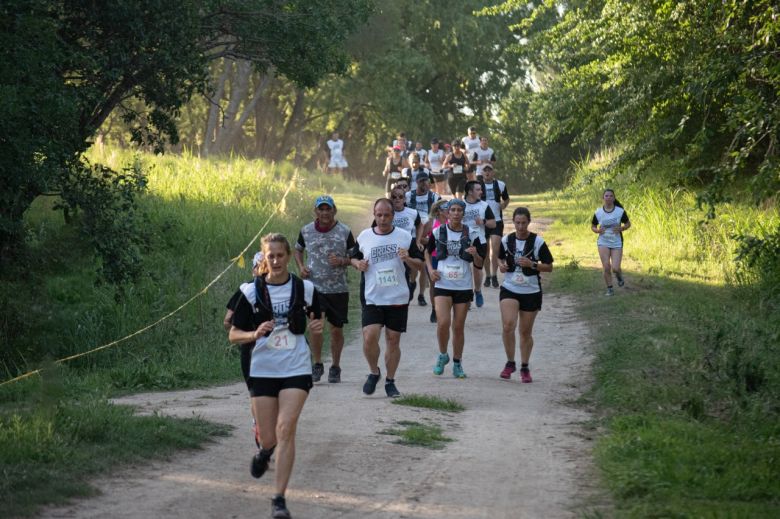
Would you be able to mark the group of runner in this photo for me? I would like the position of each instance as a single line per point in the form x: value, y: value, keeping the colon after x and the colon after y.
x: 416, y: 237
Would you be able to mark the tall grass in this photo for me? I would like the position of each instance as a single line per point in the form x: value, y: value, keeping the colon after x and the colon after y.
x: 686, y: 371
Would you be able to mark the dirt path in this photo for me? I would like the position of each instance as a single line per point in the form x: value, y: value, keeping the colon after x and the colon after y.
x: 517, y: 449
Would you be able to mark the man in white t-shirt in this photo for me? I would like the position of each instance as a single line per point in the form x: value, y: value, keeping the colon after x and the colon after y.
x: 470, y: 143
x: 433, y: 161
x: 384, y: 254
x: 482, y: 156
x: 477, y: 216
x: 337, y: 161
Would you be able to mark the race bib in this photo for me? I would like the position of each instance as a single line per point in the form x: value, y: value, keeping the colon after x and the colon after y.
x: 457, y: 170
x: 386, y: 278
x: 395, y: 175
x: 281, y: 338
x: 518, y: 278
x: 454, y: 272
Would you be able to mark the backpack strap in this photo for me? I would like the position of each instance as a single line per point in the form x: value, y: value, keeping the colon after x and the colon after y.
x: 413, y: 200
x: 529, y: 251
x: 496, y: 193
x: 441, y: 243
x: 511, y: 245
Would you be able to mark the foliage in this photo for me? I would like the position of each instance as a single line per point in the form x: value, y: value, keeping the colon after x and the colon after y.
x: 697, y: 81
x: 68, y: 65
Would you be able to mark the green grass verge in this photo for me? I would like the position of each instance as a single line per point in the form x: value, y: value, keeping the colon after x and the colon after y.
x: 418, y: 434
x: 47, y: 455
x: 430, y: 402
x: 686, y: 367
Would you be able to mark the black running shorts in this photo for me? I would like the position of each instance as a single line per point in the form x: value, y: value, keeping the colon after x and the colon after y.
x: 457, y: 182
x: 498, y: 231
x: 335, y: 307
x: 527, y: 302
x: 458, y: 296
x: 246, y: 361
x: 264, y: 386
x: 393, y: 317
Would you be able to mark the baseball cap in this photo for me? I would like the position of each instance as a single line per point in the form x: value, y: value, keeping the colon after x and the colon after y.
x: 487, y: 166
x: 396, y: 148
x: 325, y: 199
x: 434, y: 141
x: 423, y: 176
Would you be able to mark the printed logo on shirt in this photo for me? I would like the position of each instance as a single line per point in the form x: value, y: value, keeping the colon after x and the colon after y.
x: 280, y: 310
x: 384, y: 253
x: 453, y: 248
x: 403, y: 222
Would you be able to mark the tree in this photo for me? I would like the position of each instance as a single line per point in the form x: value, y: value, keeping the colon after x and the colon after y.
x: 67, y: 65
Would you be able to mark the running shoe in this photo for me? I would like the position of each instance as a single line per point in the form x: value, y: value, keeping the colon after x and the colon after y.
x: 442, y: 360
x: 457, y: 370
x: 619, y: 276
x: 279, y: 508
x: 371, y: 381
x: 480, y: 300
x: 421, y: 300
x: 317, y: 371
x: 487, y: 281
x: 391, y: 391
x: 260, y: 462
x: 525, y: 376
x: 334, y: 375
x: 495, y: 281
x: 610, y: 292
x: 433, y: 315
x: 509, y: 368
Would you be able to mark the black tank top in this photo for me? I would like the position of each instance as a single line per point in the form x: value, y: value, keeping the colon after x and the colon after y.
x: 396, y: 166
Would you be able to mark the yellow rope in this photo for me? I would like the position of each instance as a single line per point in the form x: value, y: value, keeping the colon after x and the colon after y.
x: 238, y: 259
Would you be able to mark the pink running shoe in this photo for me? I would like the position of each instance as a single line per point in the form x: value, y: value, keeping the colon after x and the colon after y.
x: 509, y: 368
x: 525, y: 376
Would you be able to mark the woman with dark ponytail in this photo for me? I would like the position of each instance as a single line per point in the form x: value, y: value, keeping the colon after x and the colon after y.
x: 609, y: 222
x: 521, y: 257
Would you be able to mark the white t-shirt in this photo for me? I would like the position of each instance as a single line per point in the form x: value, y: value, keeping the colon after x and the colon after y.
x: 421, y: 203
x: 384, y: 283
x: 435, y: 159
x: 479, y: 209
x: 490, y: 198
x: 486, y: 156
x: 407, y: 219
x: 610, y: 221
x: 516, y: 281
x: 470, y: 144
x: 336, y: 148
x: 455, y: 272
x: 282, y: 354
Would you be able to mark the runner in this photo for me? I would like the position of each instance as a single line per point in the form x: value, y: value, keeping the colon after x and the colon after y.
x: 436, y: 218
x: 609, y: 222
x: 470, y: 142
x: 421, y: 200
x: 272, y: 313
x: 393, y: 167
x: 478, y: 219
x: 337, y: 160
x: 433, y: 161
x: 420, y: 151
x: 523, y: 256
x: 415, y: 168
x: 495, y: 194
x: 327, y: 243
x: 457, y: 163
x: 383, y: 255
x: 482, y: 156
x: 455, y: 251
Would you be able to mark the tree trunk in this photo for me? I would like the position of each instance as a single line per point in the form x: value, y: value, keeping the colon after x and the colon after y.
x: 249, y: 108
x: 292, y: 124
x: 238, y: 89
x: 215, y: 108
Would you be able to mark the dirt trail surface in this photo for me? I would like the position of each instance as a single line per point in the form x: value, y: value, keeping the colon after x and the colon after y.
x: 517, y: 452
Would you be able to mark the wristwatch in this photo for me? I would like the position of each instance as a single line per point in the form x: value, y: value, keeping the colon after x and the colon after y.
x: 534, y: 265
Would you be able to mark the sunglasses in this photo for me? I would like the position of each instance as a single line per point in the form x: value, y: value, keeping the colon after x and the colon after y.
x: 398, y: 197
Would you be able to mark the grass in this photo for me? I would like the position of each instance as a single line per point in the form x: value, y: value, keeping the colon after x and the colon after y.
x: 430, y: 402
x: 686, y: 368
x: 418, y: 434
x: 58, y: 430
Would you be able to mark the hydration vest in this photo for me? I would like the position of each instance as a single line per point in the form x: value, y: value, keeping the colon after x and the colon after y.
x: 296, y: 314
x: 496, y: 193
x: 441, y: 245
x: 413, y: 200
x: 529, y: 247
